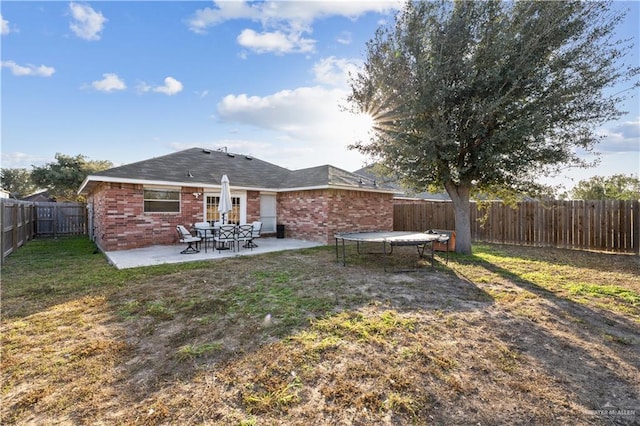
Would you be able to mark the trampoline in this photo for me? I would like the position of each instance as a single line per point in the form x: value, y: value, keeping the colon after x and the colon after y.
x: 391, y: 239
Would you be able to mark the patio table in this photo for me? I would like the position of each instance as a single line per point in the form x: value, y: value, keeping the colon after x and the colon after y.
x: 209, y: 232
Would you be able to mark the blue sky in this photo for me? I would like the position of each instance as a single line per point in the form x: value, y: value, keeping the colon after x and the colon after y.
x: 126, y: 81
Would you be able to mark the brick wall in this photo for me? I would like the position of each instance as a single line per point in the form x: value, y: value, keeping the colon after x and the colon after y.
x: 318, y: 215
x: 120, y: 222
x: 253, y: 206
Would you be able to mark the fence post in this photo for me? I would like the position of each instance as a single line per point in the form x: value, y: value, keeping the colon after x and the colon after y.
x: 2, y: 204
x: 55, y: 222
x: 14, y: 243
x: 635, y: 211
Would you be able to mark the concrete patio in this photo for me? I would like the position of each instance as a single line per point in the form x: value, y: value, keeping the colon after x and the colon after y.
x: 157, y: 255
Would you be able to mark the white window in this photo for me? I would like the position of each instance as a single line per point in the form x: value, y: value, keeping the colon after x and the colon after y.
x: 161, y: 201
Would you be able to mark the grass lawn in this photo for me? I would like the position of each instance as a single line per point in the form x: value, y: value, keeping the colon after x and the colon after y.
x: 508, y: 335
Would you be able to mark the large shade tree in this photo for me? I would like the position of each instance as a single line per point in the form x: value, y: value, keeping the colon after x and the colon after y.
x: 17, y: 181
x: 480, y: 95
x: 64, y: 177
x: 616, y: 187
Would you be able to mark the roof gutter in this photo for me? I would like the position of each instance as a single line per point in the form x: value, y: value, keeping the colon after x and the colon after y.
x: 342, y: 187
x: 93, y: 178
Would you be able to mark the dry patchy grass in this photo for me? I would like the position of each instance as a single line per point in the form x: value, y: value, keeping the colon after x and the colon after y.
x: 509, y: 335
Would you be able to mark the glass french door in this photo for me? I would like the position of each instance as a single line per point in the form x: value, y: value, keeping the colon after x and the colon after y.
x: 213, y: 215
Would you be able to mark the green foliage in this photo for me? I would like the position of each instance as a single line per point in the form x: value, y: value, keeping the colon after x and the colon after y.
x: 64, y: 177
x: 489, y: 93
x: 474, y: 96
x: 17, y: 181
x: 189, y: 352
x: 616, y: 187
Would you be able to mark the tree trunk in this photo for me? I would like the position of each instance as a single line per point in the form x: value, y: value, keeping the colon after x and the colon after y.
x: 460, y: 197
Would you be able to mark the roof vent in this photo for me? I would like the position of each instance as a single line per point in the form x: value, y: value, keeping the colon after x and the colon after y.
x: 189, y: 175
x: 206, y: 151
x: 230, y: 154
x: 248, y: 157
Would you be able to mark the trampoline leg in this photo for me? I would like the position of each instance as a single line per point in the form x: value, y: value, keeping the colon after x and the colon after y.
x: 384, y: 255
x: 433, y: 252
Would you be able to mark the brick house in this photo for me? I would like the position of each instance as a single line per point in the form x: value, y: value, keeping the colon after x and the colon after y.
x: 140, y: 204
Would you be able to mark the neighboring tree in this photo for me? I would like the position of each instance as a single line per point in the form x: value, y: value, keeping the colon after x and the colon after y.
x: 17, y: 181
x: 616, y: 187
x: 63, y: 178
x: 486, y: 95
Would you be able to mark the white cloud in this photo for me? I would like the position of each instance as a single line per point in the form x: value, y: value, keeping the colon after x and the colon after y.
x: 308, y: 122
x: 4, y: 26
x: 87, y: 23
x: 171, y: 87
x: 224, y: 11
x: 624, y: 137
x: 280, y: 11
x: 29, y: 70
x: 20, y: 160
x: 276, y: 42
x: 283, y: 22
x: 335, y: 71
x: 109, y: 83
x: 629, y: 129
x: 344, y: 37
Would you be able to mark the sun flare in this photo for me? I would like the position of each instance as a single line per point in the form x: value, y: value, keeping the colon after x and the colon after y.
x: 362, y: 126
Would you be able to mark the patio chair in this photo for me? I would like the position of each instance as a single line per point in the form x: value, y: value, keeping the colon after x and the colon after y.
x: 226, y: 235
x: 257, y: 228
x: 205, y: 232
x: 245, y: 233
x: 185, y: 237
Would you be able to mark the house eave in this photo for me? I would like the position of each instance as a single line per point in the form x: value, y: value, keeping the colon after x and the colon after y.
x: 341, y: 187
x: 91, y: 181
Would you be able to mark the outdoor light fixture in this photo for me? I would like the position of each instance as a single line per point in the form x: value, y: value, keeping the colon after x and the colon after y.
x: 197, y: 194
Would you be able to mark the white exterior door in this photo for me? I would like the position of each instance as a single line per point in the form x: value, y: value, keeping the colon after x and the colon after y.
x: 268, y: 212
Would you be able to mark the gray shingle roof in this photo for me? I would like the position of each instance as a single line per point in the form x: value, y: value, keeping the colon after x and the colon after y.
x: 197, y: 166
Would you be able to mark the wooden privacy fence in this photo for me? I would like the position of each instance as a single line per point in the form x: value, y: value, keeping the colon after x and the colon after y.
x: 17, y: 223
x: 21, y: 221
x: 54, y: 219
x: 585, y: 225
